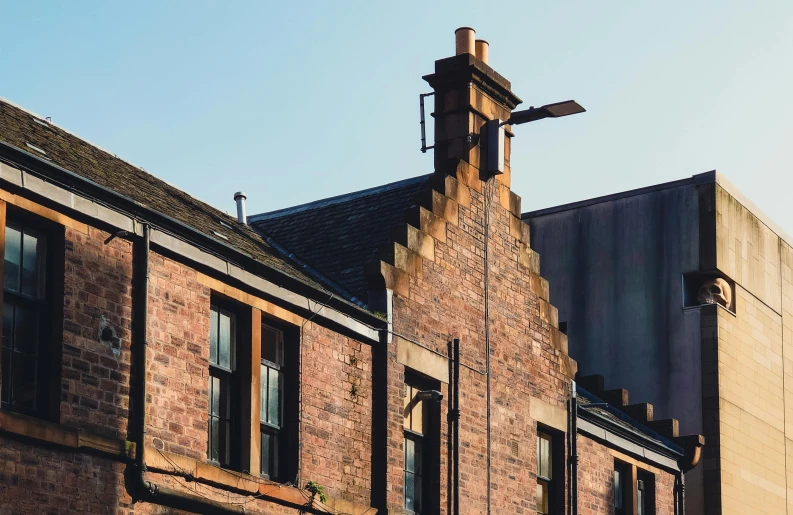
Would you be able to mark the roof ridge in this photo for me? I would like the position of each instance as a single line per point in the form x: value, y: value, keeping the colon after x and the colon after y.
x: 339, y: 199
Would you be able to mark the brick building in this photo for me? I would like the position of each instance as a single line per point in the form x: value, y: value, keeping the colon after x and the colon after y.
x: 388, y: 351
x: 683, y: 293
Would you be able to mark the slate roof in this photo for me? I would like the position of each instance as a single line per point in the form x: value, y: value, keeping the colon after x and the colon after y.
x: 618, y: 418
x: 21, y: 129
x: 339, y: 236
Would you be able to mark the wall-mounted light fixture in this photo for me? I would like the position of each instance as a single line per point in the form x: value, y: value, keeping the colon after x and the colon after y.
x: 495, y: 128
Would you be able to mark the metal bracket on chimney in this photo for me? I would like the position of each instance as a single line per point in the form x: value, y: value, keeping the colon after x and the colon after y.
x: 424, y: 146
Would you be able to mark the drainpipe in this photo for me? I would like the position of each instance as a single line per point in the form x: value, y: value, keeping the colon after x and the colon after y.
x: 456, y: 426
x: 574, y: 450
x: 142, y: 490
x: 449, y: 432
x: 487, y: 335
x: 681, y: 493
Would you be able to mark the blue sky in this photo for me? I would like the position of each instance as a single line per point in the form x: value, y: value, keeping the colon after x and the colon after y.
x: 296, y: 101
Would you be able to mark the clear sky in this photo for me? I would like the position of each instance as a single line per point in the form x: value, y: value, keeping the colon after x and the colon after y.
x: 296, y: 101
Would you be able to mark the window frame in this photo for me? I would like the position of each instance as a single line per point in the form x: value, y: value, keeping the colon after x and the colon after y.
x: 48, y: 305
x: 265, y: 427
x: 647, y: 480
x: 228, y: 456
x: 428, y: 441
x: 545, y: 482
x: 555, y: 485
x: 632, y: 476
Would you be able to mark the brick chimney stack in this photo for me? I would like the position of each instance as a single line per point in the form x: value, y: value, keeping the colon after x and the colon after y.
x: 468, y: 92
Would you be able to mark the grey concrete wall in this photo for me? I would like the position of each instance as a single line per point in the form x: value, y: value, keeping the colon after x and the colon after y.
x: 615, y: 270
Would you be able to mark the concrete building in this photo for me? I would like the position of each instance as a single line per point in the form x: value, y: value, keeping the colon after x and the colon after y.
x: 635, y: 278
x: 392, y: 350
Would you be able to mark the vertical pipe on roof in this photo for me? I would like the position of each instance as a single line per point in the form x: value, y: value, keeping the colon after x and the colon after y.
x: 239, y: 198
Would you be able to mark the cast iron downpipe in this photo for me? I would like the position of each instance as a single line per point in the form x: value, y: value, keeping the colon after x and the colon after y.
x: 449, y: 431
x: 487, y: 334
x: 140, y: 489
x: 453, y: 431
x: 680, y: 504
x: 573, y: 449
x: 456, y: 414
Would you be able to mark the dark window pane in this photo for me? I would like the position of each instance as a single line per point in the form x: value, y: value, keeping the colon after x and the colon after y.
x: 271, y: 343
x: 6, y: 357
x: 214, y: 396
x: 410, y: 491
x: 8, y: 325
x: 417, y: 484
x: 224, y: 340
x: 23, y: 382
x: 264, y: 381
x: 225, y: 440
x: 213, y: 335
x: 419, y: 452
x: 26, y: 327
x: 413, y: 472
x: 225, y: 399
x: 30, y: 264
x: 275, y: 468
x: 13, y: 258
x: 265, y: 454
x: 273, y: 401
x: 214, y: 434
x: 618, y: 489
x: 410, y: 456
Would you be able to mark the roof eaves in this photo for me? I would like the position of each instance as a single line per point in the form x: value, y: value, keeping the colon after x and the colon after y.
x: 641, y: 432
x: 134, y: 208
x: 314, y: 272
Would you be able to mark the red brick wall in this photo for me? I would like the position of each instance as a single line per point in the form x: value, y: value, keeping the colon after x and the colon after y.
x: 35, y: 479
x: 178, y: 359
x: 445, y: 300
x: 595, y: 478
x: 335, y: 429
x: 336, y: 425
x: 596, y: 481
x: 94, y: 377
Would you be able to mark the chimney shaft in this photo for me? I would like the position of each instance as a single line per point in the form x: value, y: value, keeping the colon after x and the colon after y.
x: 239, y: 198
x: 482, y: 50
x: 470, y: 96
x: 464, y: 39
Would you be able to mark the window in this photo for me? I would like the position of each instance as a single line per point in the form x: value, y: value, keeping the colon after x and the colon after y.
x: 271, y: 413
x: 422, y: 453
x: 222, y: 402
x: 620, y: 494
x: 544, y: 472
x: 634, y: 490
x: 28, y: 370
x: 645, y: 493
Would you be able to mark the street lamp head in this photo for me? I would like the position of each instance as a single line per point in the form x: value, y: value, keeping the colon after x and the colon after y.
x: 556, y: 110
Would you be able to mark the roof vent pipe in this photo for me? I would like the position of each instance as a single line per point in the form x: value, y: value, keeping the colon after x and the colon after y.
x: 464, y: 41
x: 239, y: 198
x: 482, y: 50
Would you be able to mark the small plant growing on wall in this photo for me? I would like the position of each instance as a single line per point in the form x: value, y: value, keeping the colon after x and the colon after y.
x: 353, y: 361
x: 354, y: 392
x: 316, y: 490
